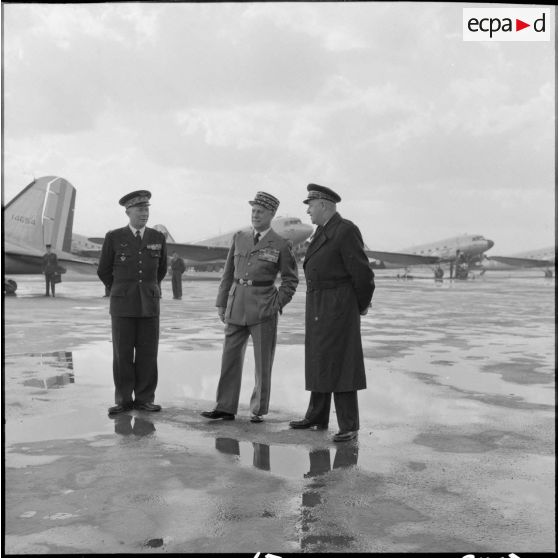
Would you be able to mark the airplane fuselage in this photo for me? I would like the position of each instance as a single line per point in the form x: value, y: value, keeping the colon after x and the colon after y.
x: 471, y: 246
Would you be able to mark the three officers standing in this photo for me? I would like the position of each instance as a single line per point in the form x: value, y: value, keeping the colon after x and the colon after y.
x: 132, y: 265
x: 340, y: 285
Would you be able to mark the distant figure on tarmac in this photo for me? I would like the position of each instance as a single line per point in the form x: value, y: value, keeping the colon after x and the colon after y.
x: 339, y: 288
x: 132, y: 265
x: 249, y: 304
x: 438, y: 273
x: 178, y: 267
x: 50, y: 268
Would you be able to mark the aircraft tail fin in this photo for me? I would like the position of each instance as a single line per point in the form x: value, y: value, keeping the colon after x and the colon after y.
x: 163, y: 229
x: 42, y: 213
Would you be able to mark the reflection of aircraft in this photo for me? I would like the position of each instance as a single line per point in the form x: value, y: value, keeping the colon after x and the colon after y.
x: 471, y: 246
x: 212, y: 252
x: 545, y: 257
x: 42, y: 213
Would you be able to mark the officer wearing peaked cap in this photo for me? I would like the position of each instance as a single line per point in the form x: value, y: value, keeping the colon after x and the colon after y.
x: 49, y: 268
x: 249, y: 303
x: 132, y: 265
x: 339, y: 288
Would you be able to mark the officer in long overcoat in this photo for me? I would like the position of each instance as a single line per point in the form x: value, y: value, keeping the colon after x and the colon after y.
x: 248, y: 303
x: 339, y: 288
x: 132, y: 265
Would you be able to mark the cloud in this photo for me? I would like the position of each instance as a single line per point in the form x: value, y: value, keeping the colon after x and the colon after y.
x: 210, y: 102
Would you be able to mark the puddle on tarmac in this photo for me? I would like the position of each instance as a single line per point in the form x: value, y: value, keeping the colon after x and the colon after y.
x: 85, y: 374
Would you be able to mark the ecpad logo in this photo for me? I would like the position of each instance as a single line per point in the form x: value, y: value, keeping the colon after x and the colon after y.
x: 507, y: 24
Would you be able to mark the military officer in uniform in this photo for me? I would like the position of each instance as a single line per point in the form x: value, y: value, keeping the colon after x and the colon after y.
x: 50, y: 267
x: 178, y: 267
x: 249, y: 304
x: 339, y: 288
x: 132, y: 265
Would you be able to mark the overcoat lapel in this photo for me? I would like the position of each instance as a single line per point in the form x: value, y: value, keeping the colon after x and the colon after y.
x: 321, y: 238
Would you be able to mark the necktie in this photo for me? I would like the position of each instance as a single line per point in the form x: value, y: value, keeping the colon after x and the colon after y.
x: 138, y: 237
x: 256, y: 238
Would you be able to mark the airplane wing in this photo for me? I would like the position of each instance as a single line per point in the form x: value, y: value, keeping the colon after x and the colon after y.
x: 194, y: 252
x: 521, y: 262
x: 198, y: 252
x: 402, y: 259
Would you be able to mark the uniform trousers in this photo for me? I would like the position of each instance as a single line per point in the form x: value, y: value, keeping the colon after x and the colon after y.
x: 264, y: 338
x: 135, y: 342
x: 346, y: 407
x: 176, y: 284
x: 49, y: 280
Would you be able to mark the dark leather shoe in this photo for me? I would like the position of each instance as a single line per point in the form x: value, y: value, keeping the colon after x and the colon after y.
x: 344, y: 436
x: 256, y: 418
x: 305, y: 423
x: 217, y: 415
x: 151, y: 407
x: 120, y: 408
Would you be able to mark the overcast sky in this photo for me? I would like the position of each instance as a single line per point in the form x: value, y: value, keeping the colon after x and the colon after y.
x: 423, y: 135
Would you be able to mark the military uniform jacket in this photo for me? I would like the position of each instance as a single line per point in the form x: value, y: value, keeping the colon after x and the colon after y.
x: 178, y: 266
x: 340, y: 284
x: 50, y: 263
x: 133, y: 271
x: 249, y: 305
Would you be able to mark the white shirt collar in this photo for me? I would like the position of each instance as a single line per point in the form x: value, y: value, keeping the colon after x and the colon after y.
x: 262, y: 233
x: 142, y: 230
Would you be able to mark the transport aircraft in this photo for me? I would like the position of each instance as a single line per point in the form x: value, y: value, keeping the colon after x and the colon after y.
x: 542, y: 258
x: 42, y: 213
x: 209, y: 254
x: 471, y: 247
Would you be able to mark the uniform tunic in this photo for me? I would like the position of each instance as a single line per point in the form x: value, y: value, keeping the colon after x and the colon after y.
x: 133, y: 269
x: 339, y: 285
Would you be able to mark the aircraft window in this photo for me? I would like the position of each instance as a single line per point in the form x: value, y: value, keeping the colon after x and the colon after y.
x: 478, y: 238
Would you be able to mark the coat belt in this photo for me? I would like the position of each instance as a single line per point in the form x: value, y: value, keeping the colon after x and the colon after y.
x: 250, y: 283
x: 312, y: 285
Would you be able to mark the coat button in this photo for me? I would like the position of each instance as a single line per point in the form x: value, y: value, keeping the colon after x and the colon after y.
x: 316, y: 318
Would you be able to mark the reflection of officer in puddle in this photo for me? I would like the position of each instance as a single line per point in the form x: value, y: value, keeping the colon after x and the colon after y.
x: 346, y: 456
x: 232, y: 447
x: 319, y: 459
x: 141, y: 427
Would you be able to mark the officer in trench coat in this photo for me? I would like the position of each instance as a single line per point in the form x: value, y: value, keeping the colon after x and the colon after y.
x: 249, y: 303
x: 339, y: 288
x: 132, y: 265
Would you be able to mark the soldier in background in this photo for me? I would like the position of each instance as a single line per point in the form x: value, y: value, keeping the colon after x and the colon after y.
x: 50, y: 268
x: 178, y: 267
x: 132, y: 265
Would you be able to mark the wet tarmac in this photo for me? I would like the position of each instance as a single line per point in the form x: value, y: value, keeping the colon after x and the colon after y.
x: 456, y: 450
